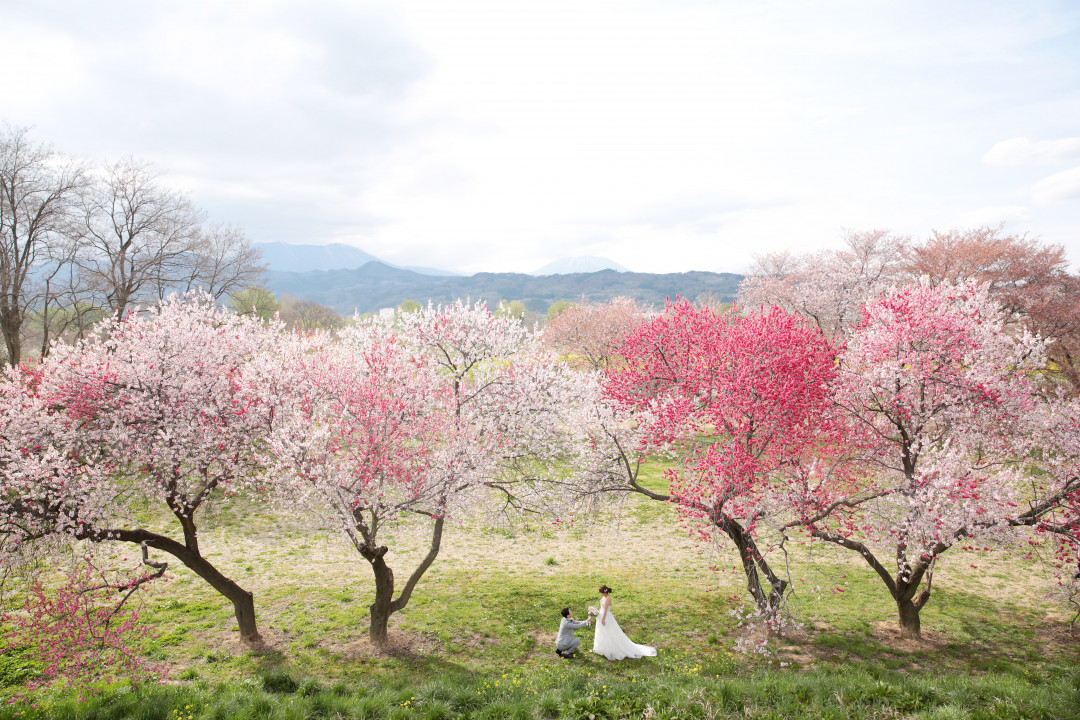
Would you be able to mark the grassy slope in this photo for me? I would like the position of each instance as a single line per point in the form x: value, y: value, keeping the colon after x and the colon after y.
x: 481, y: 624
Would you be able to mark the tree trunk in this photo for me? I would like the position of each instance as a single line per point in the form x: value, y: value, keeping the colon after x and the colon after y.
x: 243, y: 601
x: 385, y: 605
x: 754, y: 564
x: 910, y: 602
x: 381, y: 610
x: 905, y: 591
x: 11, y: 327
x: 910, y: 624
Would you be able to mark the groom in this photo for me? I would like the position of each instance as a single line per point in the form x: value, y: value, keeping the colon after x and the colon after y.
x: 565, y: 642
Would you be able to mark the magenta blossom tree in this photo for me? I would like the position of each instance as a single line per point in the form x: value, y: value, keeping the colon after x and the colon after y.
x: 84, y: 631
x: 742, y: 398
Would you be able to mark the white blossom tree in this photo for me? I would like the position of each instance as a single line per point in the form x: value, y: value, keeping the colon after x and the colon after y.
x: 829, y: 286
x: 155, y: 409
x: 451, y: 411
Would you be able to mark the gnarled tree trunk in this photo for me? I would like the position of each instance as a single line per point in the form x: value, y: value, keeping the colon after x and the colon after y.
x: 754, y: 565
x: 243, y: 601
x: 385, y: 605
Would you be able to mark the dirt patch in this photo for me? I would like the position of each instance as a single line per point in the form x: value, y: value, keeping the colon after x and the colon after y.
x: 888, y: 633
x: 1056, y: 632
x: 275, y: 641
x: 399, y: 644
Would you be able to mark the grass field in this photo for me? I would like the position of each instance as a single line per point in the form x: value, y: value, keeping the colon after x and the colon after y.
x: 477, y: 638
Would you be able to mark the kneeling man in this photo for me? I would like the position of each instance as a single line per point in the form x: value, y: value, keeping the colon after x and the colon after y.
x: 566, y: 643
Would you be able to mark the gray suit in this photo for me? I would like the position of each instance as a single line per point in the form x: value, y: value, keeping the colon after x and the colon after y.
x: 565, y: 642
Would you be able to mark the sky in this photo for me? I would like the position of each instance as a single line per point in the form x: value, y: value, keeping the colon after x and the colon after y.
x: 495, y: 135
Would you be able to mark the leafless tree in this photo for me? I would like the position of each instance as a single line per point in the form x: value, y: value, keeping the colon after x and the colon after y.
x: 300, y: 314
x: 224, y: 262
x: 142, y: 241
x: 38, y: 189
x: 65, y: 307
x: 139, y: 235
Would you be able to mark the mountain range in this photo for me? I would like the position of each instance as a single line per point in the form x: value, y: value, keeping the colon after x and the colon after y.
x: 327, y: 274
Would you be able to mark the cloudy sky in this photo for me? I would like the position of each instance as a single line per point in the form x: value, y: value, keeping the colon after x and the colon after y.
x: 499, y: 135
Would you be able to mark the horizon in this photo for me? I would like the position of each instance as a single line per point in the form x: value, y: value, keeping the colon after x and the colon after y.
x: 417, y: 268
x: 485, y: 137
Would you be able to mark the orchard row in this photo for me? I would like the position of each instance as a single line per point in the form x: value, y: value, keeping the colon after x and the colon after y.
x: 927, y: 424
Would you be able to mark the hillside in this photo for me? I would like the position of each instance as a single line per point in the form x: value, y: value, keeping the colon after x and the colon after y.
x: 377, y: 285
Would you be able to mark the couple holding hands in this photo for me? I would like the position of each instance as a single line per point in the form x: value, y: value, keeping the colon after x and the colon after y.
x: 608, y: 640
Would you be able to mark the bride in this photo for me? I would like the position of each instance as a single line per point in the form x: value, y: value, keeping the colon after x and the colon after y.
x: 609, y: 640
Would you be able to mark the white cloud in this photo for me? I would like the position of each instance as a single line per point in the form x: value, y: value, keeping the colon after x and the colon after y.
x: 1059, y: 187
x: 992, y: 215
x: 497, y: 136
x: 43, y: 66
x: 1022, y: 151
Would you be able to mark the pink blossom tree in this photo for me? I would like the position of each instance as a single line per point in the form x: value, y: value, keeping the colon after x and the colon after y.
x: 1053, y: 496
x: 155, y: 409
x: 940, y: 399
x: 355, y: 446
x: 421, y: 418
x: 829, y: 286
x: 589, y: 335
x: 744, y: 397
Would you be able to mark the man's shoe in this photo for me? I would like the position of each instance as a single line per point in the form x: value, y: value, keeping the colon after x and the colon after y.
x: 559, y: 652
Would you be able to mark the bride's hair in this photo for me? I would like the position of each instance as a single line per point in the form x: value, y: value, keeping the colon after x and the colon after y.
x: 604, y: 589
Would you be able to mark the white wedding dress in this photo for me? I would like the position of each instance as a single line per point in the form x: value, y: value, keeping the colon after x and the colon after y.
x: 611, y: 642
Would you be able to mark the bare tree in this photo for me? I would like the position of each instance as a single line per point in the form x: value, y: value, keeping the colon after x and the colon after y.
x: 37, y: 190
x: 223, y: 262
x: 139, y: 236
x: 65, y: 306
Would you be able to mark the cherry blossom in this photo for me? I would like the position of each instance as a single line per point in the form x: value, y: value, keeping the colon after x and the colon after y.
x: 938, y: 396
x: 829, y: 287
x: 422, y: 417
x: 154, y: 409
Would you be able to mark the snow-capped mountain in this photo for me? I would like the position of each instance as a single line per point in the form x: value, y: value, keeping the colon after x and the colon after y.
x: 579, y: 264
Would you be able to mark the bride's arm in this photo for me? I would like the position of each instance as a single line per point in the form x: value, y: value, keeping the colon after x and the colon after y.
x: 604, y: 605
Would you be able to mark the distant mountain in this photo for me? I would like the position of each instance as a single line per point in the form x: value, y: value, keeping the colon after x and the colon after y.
x: 579, y: 264
x: 377, y: 285
x: 286, y: 257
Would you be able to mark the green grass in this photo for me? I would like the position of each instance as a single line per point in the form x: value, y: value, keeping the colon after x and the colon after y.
x: 488, y: 655
x: 570, y: 690
x: 476, y: 639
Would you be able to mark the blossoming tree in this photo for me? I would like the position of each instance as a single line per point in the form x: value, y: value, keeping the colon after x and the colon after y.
x: 154, y: 410
x: 829, y: 286
x: 443, y: 412
x: 940, y: 398
x: 744, y: 397
x: 1053, y: 495
x: 589, y: 335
